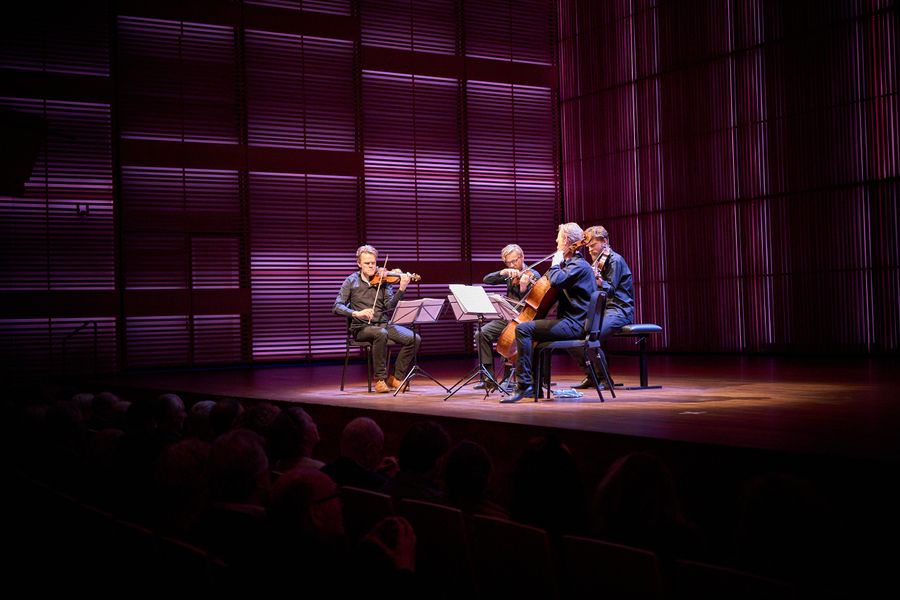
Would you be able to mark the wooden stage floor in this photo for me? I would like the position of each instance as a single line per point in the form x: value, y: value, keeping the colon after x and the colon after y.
x: 819, y: 406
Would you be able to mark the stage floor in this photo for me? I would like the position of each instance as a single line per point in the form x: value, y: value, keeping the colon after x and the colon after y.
x: 820, y: 406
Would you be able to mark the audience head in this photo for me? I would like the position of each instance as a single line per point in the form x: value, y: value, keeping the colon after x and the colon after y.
x: 239, y: 469
x: 547, y: 490
x: 422, y: 447
x: 293, y: 435
x: 467, y: 473
x: 224, y: 415
x: 362, y: 441
x: 306, y: 501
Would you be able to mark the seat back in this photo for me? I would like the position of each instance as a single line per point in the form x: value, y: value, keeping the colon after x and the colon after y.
x: 512, y: 560
x: 598, y: 569
x: 594, y: 321
x: 363, y: 509
x: 694, y: 579
x: 443, y: 559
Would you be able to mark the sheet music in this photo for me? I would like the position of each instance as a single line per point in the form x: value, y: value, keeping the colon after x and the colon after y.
x: 473, y: 300
x: 458, y: 312
x: 423, y: 310
x: 504, y: 307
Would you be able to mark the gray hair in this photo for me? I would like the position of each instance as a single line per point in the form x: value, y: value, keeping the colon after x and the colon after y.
x: 366, y: 249
x: 509, y: 249
x: 572, y: 231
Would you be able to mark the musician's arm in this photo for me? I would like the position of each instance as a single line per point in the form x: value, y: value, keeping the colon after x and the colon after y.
x: 495, y: 278
x: 342, y: 302
x: 613, y: 277
x: 391, y: 298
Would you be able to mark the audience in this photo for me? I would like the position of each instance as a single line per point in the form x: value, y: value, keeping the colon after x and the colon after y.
x: 362, y: 455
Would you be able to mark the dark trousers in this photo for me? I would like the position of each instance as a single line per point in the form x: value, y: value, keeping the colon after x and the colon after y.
x: 613, y: 321
x: 541, y: 330
x: 378, y: 336
x: 490, y: 333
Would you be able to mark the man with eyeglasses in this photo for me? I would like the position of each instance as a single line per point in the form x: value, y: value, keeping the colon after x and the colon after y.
x: 519, y: 281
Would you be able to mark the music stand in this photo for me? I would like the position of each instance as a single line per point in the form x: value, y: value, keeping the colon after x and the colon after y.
x: 471, y: 303
x: 414, y: 313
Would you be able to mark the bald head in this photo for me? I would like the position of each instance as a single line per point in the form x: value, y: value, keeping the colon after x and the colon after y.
x: 362, y: 441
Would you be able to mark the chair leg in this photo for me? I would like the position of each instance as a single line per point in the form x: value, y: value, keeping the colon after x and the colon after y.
x: 601, y: 369
x: 642, y: 357
x: 346, y: 362
x: 370, y: 366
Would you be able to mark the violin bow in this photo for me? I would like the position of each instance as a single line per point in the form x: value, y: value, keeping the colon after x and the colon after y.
x: 380, y: 281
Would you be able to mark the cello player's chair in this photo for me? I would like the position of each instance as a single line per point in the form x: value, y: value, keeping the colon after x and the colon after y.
x: 593, y: 355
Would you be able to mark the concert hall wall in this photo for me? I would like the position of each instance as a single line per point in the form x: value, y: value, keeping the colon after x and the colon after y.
x: 744, y: 156
x: 209, y: 168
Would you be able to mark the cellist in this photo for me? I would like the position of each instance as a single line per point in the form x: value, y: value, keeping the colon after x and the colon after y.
x: 571, y: 274
x: 613, y: 277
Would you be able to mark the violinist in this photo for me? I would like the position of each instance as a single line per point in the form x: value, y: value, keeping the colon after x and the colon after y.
x: 614, y: 277
x: 571, y: 274
x: 518, y: 281
x: 366, y: 300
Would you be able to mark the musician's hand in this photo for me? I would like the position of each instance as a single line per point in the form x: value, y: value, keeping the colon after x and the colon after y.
x: 509, y: 273
x: 404, y: 281
x: 364, y: 315
x: 524, y: 281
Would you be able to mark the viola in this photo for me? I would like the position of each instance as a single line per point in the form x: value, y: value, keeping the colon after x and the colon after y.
x: 393, y: 276
x: 599, y: 263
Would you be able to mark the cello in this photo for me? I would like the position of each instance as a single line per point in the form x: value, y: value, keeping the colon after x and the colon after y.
x: 540, y: 299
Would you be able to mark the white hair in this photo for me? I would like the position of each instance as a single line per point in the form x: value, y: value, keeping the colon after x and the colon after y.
x: 572, y: 231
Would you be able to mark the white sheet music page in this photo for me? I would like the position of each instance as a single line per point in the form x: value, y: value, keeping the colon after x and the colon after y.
x: 473, y: 300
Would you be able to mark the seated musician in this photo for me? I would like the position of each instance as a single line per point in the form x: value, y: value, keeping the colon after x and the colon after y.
x: 614, y: 277
x: 573, y: 277
x: 367, y: 304
x: 518, y: 281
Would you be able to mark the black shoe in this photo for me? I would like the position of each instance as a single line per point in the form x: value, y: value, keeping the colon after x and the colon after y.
x: 522, y: 393
x: 585, y: 384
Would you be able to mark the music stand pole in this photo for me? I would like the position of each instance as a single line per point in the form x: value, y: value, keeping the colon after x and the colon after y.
x: 491, y: 383
x: 417, y: 370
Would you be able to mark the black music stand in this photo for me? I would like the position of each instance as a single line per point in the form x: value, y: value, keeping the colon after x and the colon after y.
x: 471, y: 303
x: 414, y: 313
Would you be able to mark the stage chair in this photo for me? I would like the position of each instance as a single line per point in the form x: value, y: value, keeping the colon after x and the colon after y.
x: 598, y: 569
x: 590, y: 345
x: 367, y: 350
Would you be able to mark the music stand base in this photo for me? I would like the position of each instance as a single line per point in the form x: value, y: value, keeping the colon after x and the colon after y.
x: 417, y: 370
x: 491, y: 382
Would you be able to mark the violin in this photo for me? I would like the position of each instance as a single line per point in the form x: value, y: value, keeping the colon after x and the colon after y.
x: 393, y: 276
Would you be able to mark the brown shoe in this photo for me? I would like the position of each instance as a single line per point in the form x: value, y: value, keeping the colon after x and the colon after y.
x: 395, y: 383
x: 381, y: 387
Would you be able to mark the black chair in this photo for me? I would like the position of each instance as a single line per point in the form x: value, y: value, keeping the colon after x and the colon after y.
x: 593, y: 356
x: 366, y: 347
